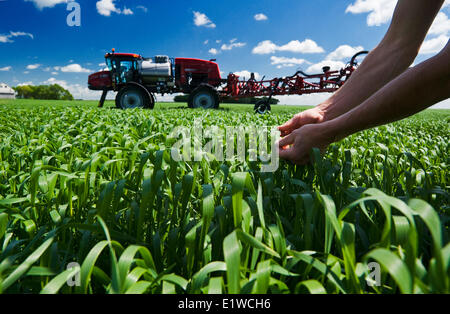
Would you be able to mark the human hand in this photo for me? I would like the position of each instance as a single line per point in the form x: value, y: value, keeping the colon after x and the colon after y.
x: 297, y: 146
x: 310, y: 116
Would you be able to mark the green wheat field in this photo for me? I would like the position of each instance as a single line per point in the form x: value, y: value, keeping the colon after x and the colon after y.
x: 98, y: 187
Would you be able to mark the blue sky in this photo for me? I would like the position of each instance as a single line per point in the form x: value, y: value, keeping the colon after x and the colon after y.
x: 271, y: 38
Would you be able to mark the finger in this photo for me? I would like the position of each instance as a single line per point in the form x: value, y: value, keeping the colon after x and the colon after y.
x: 288, y: 126
x: 287, y: 154
x: 287, y: 140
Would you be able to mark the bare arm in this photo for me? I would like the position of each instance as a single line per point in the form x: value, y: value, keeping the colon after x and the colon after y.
x: 416, y: 89
x: 394, y: 54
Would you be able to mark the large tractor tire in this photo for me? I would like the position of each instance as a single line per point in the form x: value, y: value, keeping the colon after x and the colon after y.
x: 205, y: 96
x: 262, y: 107
x: 134, y: 97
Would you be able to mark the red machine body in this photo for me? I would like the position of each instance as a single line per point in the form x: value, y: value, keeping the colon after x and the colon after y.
x: 198, y: 71
x: 100, y: 81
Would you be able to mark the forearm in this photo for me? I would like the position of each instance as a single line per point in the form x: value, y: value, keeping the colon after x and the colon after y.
x: 380, y: 67
x: 395, y: 53
x: 416, y: 89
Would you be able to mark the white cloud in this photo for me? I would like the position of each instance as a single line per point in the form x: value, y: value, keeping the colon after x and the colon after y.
x: 380, y: 11
x: 206, y: 42
x: 261, y: 17
x: 317, y: 68
x: 306, y: 46
x: 218, y: 41
x: 344, y: 52
x: 106, y: 7
x: 246, y: 74
x: 8, y: 38
x: 55, y: 73
x: 213, y: 51
x: 33, y: 66
x: 265, y: 47
x: 41, y: 4
x: 316, y: 99
x: 52, y: 81
x: 434, y: 45
x: 233, y: 44
x: 441, y: 25
x: 25, y: 83
x: 442, y: 105
x: 78, y: 91
x: 200, y: 19
x: 5, y: 69
x: 141, y: 7
x: 73, y: 68
x: 283, y: 62
x: 127, y: 11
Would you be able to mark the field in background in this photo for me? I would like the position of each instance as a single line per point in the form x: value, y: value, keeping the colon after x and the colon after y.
x: 98, y: 187
x: 29, y: 103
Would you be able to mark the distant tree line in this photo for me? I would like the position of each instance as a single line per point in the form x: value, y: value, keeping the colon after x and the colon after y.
x: 231, y: 100
x: 50, y: 92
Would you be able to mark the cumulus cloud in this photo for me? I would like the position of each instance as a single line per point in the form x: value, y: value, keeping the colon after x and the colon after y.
x: 380, y: 11
x: 5, y: 69
x: 41, y: 4
x: 261, y: 17
x: 200, y: 19
x: 441, y: 25
x: 344, y: 52
x: 434, y: 45
x: 106, y: 7
x: 127, y: 11
x: 317, y: 68
x: 52, y: 81
x: 232, y: 44
x: 283, y: 62
x: 246, y: 74
x: 33, y: 66
x: 8, y: 37
x: 72, y: 68
x: 25, y: 83
x: 78, y: 91
x: 306, y: 46
x: 213, y: 51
